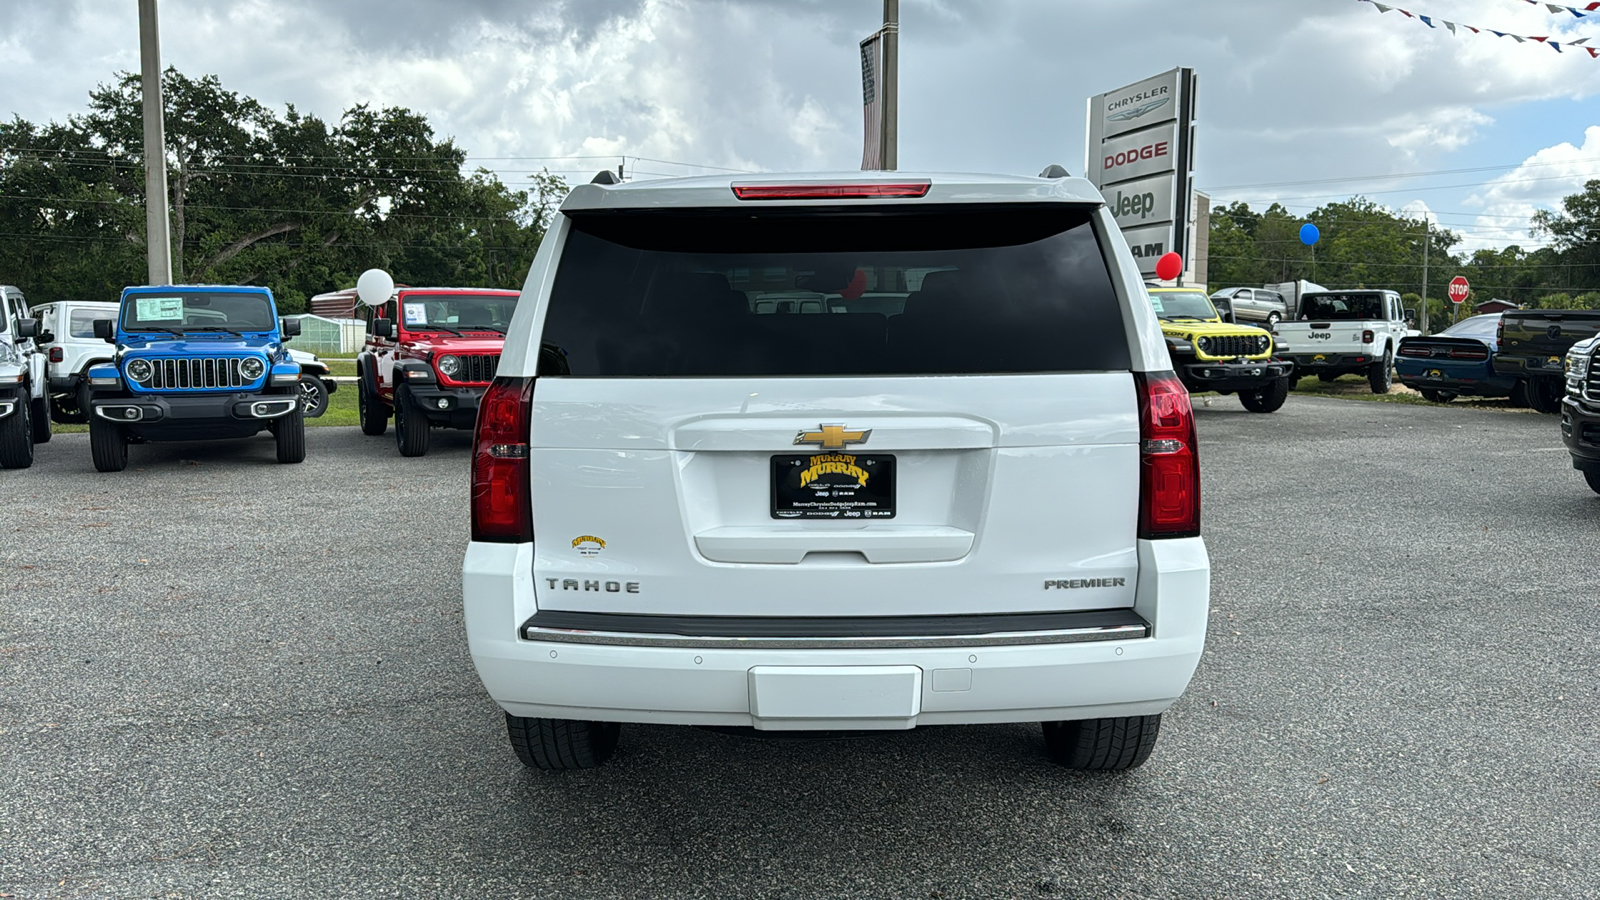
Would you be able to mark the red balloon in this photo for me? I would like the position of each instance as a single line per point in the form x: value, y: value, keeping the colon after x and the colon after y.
x: 1169, y: 267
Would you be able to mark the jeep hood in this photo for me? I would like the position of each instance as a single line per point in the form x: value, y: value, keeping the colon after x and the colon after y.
x: 1209, y: 329
x: 191, y: 346
x: 449, y: 343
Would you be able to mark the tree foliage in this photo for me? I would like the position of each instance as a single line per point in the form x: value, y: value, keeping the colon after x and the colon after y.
x: 286, y: 199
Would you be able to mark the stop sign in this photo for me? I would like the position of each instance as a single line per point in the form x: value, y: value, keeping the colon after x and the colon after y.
x: 1458, y: 289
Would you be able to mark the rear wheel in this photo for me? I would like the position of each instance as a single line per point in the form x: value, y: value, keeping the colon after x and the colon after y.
x: 1544, y: 394
x: 1593, y: 477
x: 1381, y: 375
x: 16, y: 437
x: 1273, y: 319
x: 1102, y: 745
x: 290, y: 434
x: 1519, y: 394
x: 374, y: 418
x: 557, y: 745
x: 1267, y: 399
x: 410, y: 424
x: 39, y: 412
x: 108, y: 445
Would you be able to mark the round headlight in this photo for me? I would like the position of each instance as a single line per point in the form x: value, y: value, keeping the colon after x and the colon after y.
x: 140, y: 370
x: 450, y: 366
x: 251, y: 368
x: 1204, y: 344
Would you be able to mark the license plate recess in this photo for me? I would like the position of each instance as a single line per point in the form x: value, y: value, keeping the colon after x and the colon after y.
x: 832, y: 485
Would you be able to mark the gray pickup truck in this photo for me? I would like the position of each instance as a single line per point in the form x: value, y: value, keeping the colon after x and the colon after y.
x: 1533, y: 349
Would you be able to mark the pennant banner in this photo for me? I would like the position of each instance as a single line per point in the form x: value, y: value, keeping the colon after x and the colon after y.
x: 1558, y: 9
x: 1436, y: 22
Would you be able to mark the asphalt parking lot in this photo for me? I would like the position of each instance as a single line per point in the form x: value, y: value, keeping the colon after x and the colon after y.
x: 220, y: 676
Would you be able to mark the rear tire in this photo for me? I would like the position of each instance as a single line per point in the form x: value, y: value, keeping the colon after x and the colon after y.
x: 16, y: 437
x: 410, y: 424
x: 108, y: 445
x: 558, y: 745
x: 1380, y: 377
x: 1544, y: 394
x: 290, y: 434
x: 1519, y: 394
x: 374, y: 418
x: 39, y: 412
x: 1267, y: 399
x: 1593, y: 477
x: 1102, y: 745
x: 1273, y: 319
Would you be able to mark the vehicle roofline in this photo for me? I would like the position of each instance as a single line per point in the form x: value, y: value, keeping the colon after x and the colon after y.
x: 717, y: 190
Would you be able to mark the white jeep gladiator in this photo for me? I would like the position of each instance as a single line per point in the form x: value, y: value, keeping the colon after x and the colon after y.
x: 961, y: 487
x: 1344, y: 332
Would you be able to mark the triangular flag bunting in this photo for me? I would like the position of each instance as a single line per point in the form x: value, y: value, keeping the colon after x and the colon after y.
x: 1549, y: 40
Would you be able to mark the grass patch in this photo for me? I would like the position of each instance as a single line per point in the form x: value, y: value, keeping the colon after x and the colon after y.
x: 341, y: 367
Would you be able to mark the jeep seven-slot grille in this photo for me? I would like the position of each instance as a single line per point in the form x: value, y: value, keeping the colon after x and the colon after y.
x: 197, y: 374
x: 1233, y: 345
x: 478, y: 369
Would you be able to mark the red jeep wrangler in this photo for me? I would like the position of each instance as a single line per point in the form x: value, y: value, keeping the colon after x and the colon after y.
x: 429, y: 356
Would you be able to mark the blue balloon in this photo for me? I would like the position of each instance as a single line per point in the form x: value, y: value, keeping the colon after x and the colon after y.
x: 1309, y: 234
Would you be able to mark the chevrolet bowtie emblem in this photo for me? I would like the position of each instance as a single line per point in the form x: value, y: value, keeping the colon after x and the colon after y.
x: 832, y: 437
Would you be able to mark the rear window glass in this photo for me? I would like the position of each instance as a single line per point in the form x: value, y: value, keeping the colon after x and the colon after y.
x: 1334, y: 307
x: 80, y: 322
x: 929, y: 291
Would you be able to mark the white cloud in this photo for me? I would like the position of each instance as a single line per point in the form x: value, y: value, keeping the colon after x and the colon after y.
x: 1540, y: 182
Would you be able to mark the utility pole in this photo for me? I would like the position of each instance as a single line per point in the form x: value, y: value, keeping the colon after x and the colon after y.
x: 891, y: 84
x: 158, y: 240
x: 1426, y: 230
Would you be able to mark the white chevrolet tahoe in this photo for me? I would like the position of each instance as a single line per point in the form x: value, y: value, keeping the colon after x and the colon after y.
x: 835, y: 452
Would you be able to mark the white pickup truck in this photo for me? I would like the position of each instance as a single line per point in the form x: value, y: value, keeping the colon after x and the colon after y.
x: 1347, y: 332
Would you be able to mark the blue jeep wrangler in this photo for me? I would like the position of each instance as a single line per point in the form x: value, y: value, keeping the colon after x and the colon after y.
x: 194, y: 362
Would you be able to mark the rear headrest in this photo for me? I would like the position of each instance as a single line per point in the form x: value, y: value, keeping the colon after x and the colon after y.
x: 694, y: 294
x: 947, y: 293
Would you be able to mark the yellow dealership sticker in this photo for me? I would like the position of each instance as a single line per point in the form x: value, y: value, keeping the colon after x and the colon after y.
x: 588, y: 545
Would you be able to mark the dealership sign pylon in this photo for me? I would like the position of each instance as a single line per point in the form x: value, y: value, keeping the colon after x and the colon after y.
x: 1141, y: 157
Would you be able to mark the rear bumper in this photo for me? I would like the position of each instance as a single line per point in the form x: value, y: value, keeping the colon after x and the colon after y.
x: 1475, y: 379
x: 707, y: 683
x: 1529, y: 366
x: 1305, y: 363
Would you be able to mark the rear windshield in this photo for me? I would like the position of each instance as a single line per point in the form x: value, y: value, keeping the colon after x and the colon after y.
x: 929, y: 291
x: 1477, y: 326
x: 1334, y: 307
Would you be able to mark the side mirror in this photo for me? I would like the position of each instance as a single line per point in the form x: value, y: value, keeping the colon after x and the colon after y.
x: 49, y: 337
x: 105, y: 330
x: 382, y: 328
x: 27, y: 328
x: 289, y: 327
x: 1411, y: 315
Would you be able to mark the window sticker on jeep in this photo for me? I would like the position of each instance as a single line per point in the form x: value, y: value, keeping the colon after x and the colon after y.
x: 1155, y: 301
x: 160, y: 309
x: 416, y: 314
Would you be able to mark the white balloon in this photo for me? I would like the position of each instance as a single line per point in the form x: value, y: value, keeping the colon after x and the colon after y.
x: 374, y: 287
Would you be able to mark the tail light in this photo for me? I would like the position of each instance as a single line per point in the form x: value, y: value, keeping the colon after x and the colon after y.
x: 1366, y: 336
x: 866, y: 191
x: 1415, y: 351
x: 1468, y: 353
x: 1500, y: 330
x: 57, y: 354
x: 502, y: 500
x: 1169, y: 462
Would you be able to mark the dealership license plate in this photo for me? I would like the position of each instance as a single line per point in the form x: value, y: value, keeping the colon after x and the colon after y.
x: 832, y: 486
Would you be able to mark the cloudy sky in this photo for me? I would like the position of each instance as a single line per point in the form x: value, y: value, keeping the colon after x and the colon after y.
x: 1301, y: 101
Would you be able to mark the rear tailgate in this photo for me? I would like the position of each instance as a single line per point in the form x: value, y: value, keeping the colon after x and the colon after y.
x: 966, y: 443
x: 1534, y: 340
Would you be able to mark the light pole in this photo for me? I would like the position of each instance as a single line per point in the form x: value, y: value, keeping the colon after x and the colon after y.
x: 158, y: 241
x: 891, y: 84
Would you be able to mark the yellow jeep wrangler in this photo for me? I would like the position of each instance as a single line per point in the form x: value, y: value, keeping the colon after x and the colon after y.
x: 1212, y: 355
